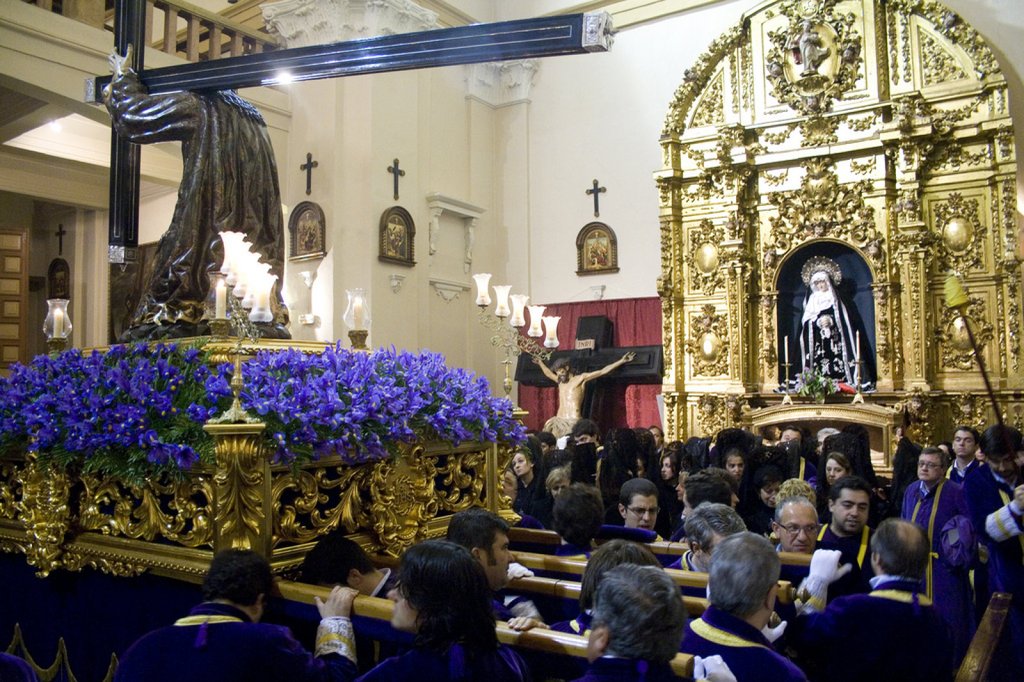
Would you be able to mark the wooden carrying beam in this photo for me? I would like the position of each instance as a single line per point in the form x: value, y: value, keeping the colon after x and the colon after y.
x: 546, y: 641
x: 519, y: 39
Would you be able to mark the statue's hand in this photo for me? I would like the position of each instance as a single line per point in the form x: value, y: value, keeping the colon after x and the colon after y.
x: 118, y: 63
x: 119, y: 66
x: 629, y: 357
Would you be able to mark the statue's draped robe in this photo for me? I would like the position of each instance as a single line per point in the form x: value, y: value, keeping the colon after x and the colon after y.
x: 229, y: 183
x: 827, y: 347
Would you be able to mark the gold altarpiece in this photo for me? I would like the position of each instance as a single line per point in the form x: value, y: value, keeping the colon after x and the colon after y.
x: 878, y: 129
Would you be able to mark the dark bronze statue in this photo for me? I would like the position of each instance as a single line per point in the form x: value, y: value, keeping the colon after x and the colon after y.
x: 229, y: 183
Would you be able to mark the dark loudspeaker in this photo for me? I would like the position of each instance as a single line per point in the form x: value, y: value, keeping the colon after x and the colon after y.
x: 596, y: 328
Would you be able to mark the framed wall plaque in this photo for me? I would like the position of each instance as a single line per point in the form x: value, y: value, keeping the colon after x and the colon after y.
x: 597, y: 250
x: 397, y: 237
x: 307, y: 230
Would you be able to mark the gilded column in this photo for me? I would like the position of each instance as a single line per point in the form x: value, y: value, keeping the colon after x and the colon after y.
x: 242, y: 497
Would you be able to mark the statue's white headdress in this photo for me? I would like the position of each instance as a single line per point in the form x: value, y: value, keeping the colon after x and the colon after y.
x: 821, y: 264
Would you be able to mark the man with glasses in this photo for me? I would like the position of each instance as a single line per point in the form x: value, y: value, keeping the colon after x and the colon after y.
x: 965, y: 449
x: 938, y: 506
x: 638, y: 503
x: 796, y: 525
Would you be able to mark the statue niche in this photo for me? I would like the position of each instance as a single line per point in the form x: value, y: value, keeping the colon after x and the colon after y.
x: 825, y: 307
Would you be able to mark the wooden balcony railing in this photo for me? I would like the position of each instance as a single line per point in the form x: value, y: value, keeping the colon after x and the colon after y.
x: 174, y: 27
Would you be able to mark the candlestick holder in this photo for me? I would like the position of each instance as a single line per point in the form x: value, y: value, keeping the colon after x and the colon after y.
x: 358, y: 339
x: 57, y: 344
x: 787, y: 398
x: 244, y: 329
x: 858, y: 398
x: 514, y: 344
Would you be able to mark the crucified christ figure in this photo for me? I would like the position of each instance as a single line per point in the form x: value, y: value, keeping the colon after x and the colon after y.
x: 570, y: 385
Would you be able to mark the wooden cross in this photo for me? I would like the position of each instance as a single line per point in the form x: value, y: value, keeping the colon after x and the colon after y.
x: 476, y: 43
x: 308, y: 167
x: 60, y: 238
x: 397, y: 172
x: 596, y: 191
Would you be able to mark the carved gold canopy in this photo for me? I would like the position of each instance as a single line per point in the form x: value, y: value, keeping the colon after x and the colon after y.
x: 876, y: 131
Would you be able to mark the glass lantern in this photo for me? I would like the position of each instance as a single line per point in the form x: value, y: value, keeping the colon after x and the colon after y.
x: 57, y: 324
x: 357, y: 314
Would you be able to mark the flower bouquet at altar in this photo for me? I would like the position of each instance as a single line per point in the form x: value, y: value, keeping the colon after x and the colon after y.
x: 815, y: 385
x: 136, y: 412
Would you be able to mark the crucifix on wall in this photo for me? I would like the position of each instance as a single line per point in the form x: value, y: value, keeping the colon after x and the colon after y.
x: 597, y: 190
x: 308, y: 167
x: 397, y: 173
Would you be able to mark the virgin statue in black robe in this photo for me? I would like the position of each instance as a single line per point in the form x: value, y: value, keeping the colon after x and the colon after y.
x: 229, y: 183
x: 826, y: 335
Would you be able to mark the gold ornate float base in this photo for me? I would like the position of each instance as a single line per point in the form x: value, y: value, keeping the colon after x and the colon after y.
x: 173, y: 527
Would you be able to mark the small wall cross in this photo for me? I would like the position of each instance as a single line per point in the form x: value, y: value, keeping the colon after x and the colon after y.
x: 397, y: 172
x: 60, y: 238
x: 308, y: 167
x: 596, y: 191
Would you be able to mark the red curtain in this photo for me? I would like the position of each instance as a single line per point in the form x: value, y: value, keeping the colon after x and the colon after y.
x: 635, y: 322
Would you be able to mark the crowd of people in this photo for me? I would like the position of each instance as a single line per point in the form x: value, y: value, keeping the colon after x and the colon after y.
x: 898, y: 572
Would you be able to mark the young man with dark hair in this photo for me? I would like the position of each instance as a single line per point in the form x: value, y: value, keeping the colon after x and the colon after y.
x: 578, y: 516
x: 965, y: 448
x: 995, y: 500
x: 707, y: 485
x: 849, y: 501
x: 337, y: 560
x: 222, y: 638
x: 485, y: 535
x: 638, y: 503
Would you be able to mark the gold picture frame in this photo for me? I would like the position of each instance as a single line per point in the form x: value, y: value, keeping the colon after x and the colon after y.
x: 597, y: 250
x: 397, y: 237
x: 307, y: 231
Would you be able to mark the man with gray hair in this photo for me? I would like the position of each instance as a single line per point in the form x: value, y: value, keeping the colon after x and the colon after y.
x: 706, y: 526
x: 637, y: 624
x: 742, y: 585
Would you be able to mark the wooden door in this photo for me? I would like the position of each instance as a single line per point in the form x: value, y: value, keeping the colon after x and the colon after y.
x: 13, y: 297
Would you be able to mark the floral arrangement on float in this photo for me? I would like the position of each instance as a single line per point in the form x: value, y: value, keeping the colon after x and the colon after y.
x: 135, y: 412
x: 815, y: 385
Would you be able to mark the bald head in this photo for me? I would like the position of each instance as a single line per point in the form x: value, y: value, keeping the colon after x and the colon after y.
x: 900, y: 548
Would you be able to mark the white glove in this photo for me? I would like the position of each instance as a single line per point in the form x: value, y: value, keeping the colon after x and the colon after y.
x: 518, y: 571
x: 825, y: 570
x: 773, y: 633
x: 712, y: 668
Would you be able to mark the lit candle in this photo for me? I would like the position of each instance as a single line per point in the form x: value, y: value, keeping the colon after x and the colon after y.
x: 785, y: 343
x: 518, y: 306
x: 58, y: 323
x: 482, y: 280
x: 551, y: 327
x: 536, y: 313
x: 221, y: 300
x: 501, y: 308
x: 358, y: 314
x: 856, y: 348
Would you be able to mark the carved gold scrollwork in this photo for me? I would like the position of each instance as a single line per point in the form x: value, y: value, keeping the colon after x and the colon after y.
x: 969, y: 409
x: 180, y: 511
x: 241, y: 488
x: 402, y: 499
x: 708, y: 344
x: 821, y: 207
x: 673, y: 425
x: 960, y: 231
x: 919, y: 407
x: 815, y: 59
x: 309, y: 503
x: 710, y: 107
x: 462, y: 480
x: 954, y: 341
x: 817, y: 131
x: 703, y: 258
x: 8, y: 490
x: 938, y: 65
x: 710, y: 414
x: 44, y: 510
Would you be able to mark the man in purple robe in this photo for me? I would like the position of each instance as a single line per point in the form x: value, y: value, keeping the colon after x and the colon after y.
x: 893, y: 633
x: 938, y: 506
x: 222, y: 638
x: 742, y: 586
x: 995, y: 499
